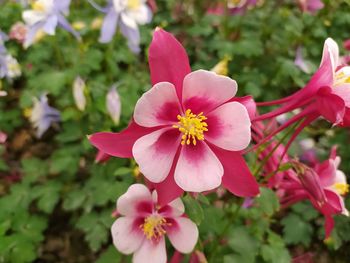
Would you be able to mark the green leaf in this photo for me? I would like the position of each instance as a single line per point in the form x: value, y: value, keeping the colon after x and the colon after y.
x: 193, y: 209
x: 268, y: 201
x: 296, y: 230
x: 243, y: 243
x: 111, y: 255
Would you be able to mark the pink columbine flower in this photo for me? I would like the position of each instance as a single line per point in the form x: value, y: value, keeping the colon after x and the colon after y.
x: 187, y: 131
x: 143, y: 224
x: 101, y: 157
x: 326, y: 95
x: 324, y: 185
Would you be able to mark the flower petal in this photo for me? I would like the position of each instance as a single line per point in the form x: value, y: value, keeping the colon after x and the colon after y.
x: 126, y: 237
x: 119, y: 144
x: 168, y: 190
x: 135, y: 201
x: 151, y: 252
x: 204, y: 90
x: 155, y: 152
x: 237, y: 177
x: 183, y: 234
x: 330, y: 106
x: 158, y: 106
x: 229, y: 127
x: 198, y: 169
x: 168, y: 60
x: 109, y: 26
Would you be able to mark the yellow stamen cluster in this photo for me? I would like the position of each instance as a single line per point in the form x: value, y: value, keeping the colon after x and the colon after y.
x: 192, y: 126
x: 133, y: 4
x: 341, y: 188
x: 341, y: 78
x: 235, y: 3
x: 38, y: 6
x: 153, y: 226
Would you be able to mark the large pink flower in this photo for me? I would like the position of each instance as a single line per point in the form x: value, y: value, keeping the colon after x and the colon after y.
x: 324, y: 185
x: 188, y: 130
x: 143, y: 224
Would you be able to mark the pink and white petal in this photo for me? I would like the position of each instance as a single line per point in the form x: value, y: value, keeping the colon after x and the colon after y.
x: 136, y: 200
x: 151, y: 252
x: 173, y: 209
x: 237, y: 177
x: 155, y: 152
x: 331, y: 47
x: 168, y: 60
x: 229, y: 127
x: 204, y: 90
x: 340, y: 177
x: 127, y: 237
x: 183, y: 234
x: 177, y: 206
x: 198, y: 169
x: 158, y: 106
x: 249, y: 103
x: 343, y: 92
x: 119, y: 144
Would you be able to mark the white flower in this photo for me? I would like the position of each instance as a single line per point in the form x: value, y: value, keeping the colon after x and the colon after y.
x: 113, y: 104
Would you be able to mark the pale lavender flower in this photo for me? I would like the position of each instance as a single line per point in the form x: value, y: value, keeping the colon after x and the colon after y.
x: 79, y: 88
x: 300, y: 62
x: 43, y: 115
x: 3, y: 38
x: 45, y: 16
x: 9, y: 67
x: 113, y: 104
x: 127, y: 14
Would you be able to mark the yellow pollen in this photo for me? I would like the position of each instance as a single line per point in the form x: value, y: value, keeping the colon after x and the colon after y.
x: 153, y: 226
x: 192, y: 126
x: 38, y: 6
x: 133, y: 4
x: 341, y: 78
x: 341, y: 188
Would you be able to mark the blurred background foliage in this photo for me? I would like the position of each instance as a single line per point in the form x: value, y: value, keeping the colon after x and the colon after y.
x: 56, y: 202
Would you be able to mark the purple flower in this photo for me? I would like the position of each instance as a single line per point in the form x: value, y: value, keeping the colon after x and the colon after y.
x: 127, y: 14
x: 45, y: 16
x: 43, y: 115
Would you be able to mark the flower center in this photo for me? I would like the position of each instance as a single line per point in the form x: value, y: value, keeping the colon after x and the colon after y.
x: 192, y: 126
x: 235, y: 3
x: 153, y: 226
x: 342, y: 76
x: 133, y: 4
x: 341, y: 188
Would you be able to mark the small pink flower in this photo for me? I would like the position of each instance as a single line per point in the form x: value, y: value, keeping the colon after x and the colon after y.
x: 143, y: 224
x: 310, y: 6
x: 324, y: 185
x: 188, y: 131
x: 18, y: 32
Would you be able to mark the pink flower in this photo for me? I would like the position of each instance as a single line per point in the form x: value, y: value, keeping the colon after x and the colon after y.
x: 324, y: 185
x: 326, y: 95
x: 143, y: 224
x: 18, y: 32
x: 187, y: 131
x: 310, y: 6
